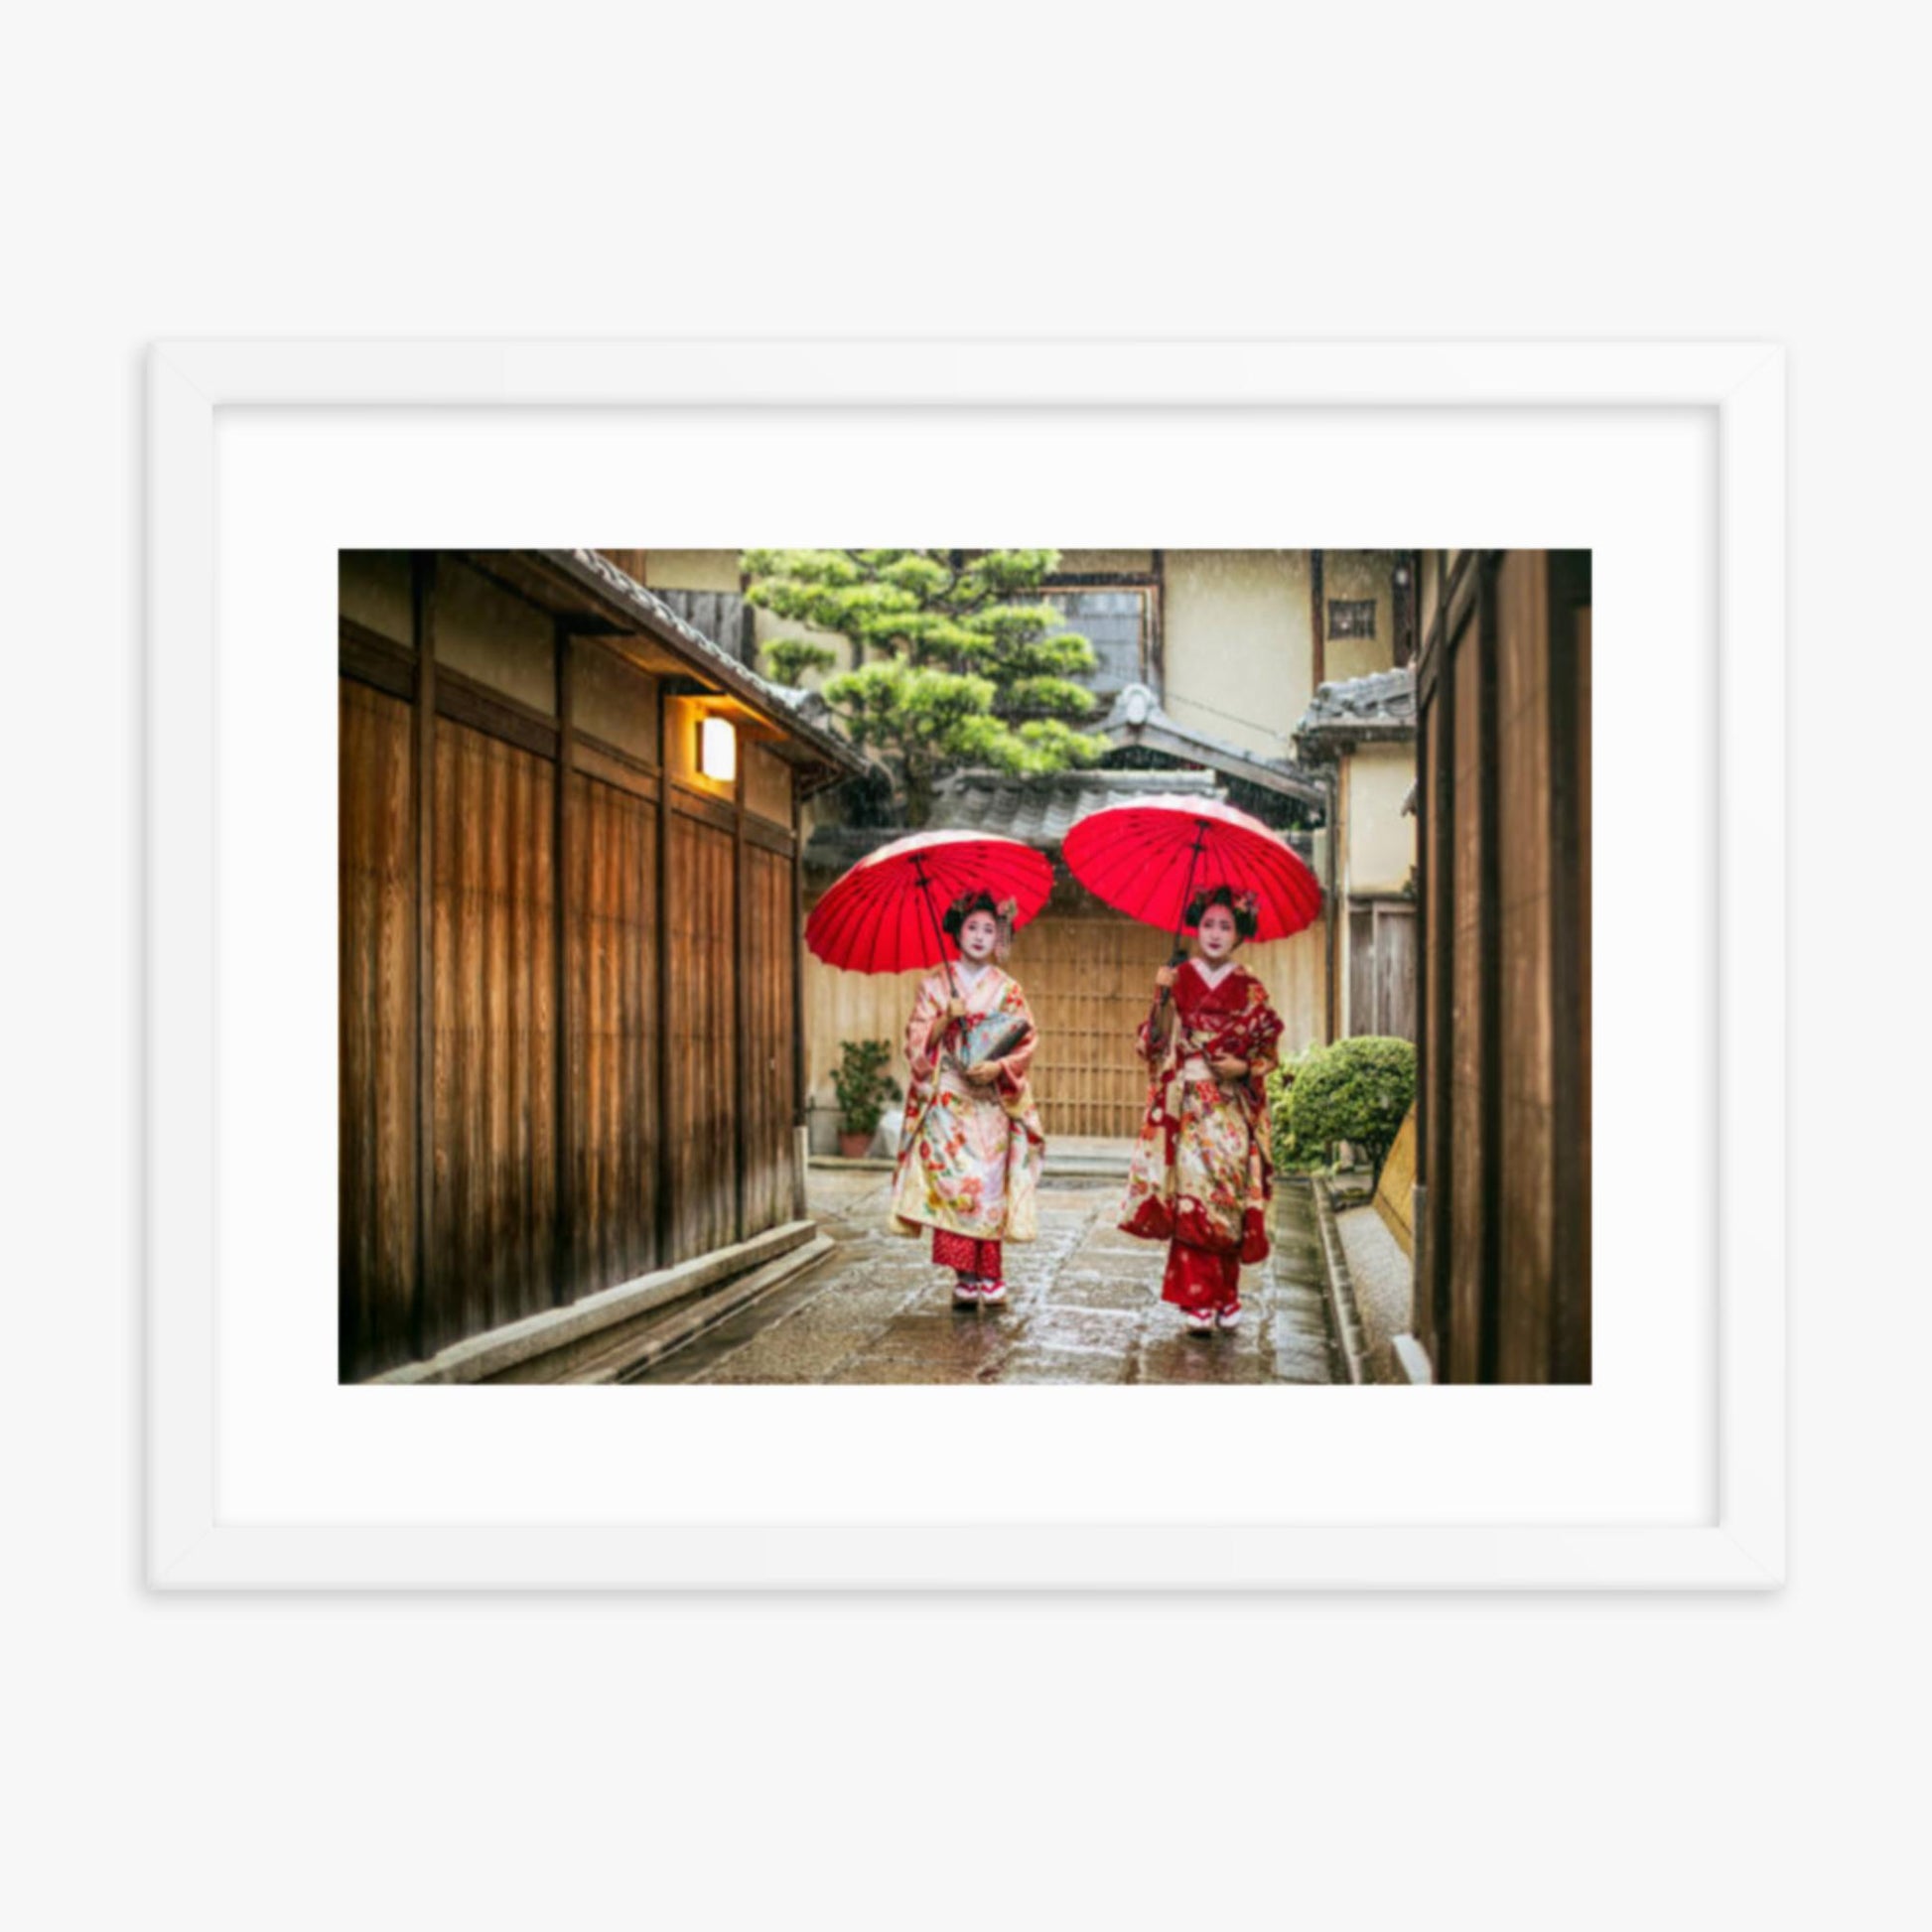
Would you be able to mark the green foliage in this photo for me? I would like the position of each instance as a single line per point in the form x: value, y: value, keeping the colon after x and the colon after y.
x: 1290, y: 1158
x: 789, y: 658
x: 952, y: 667
x: 1356, y: 1090
x: 863, y: 1085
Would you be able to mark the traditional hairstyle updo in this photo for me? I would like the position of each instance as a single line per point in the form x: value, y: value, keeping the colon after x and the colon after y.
x: 1245, y: 907
x: 1004, y: 912
x: 963, y: 908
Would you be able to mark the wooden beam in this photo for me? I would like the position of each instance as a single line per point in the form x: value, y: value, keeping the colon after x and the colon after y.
x: 768, y: 837
x: 467, y: 702
x: 741, y: 1016
x: 1489, y: 969
x: 1567, y: 724
x: 718, y: 813
x: 612, y: 766
x: 374, y: 660
x: 422, y: 600
x: 563, y: 1257
x: 507, y: 571
x: 1422, y: 1310
x: 661, y: 1030
x: 1157, y: 646
x: 800, y: 1112
x: 1331, y: 908
x: 1439, y: 1066
x: 1459, y: 588
x: 1318, y: 619
x: 1432, y: 643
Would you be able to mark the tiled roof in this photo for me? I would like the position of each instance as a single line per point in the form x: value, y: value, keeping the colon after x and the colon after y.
x: 1381, y: 705
x: 1138, y: 718
x: 783, y: 703
x: 1039, y: 808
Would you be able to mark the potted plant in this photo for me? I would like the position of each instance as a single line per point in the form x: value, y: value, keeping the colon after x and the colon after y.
x: 863, y: 1087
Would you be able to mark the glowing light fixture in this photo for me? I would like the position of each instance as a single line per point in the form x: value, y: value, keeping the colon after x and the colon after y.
x: 718, y: 749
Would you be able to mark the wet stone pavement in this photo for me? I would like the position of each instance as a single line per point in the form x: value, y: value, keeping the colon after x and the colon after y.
x: 1083, y: 1306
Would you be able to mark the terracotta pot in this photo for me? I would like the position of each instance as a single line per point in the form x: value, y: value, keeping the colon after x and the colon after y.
x: 852, y: 1147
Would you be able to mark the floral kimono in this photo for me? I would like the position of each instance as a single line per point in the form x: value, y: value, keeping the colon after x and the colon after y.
x: 969, y: 1157
x: 1201, y: 1177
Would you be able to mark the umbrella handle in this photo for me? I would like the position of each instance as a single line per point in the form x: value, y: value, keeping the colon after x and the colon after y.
x: 1176, y: 959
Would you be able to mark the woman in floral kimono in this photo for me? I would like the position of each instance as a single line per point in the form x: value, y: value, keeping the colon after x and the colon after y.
x: 970, y: 1152
x: 1201, y: 1177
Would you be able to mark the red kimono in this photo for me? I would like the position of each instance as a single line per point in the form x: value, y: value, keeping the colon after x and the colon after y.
x: 1201, y: 1175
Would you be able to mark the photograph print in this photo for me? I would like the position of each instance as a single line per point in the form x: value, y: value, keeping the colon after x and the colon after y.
x: 1047, y: 967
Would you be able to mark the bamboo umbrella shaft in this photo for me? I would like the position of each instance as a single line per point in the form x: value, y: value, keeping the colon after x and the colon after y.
x: 1187, y: 892
x: 932, y: 916
x: 939, y: 938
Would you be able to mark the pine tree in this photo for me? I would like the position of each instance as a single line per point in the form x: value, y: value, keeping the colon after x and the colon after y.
x: 952, y: 665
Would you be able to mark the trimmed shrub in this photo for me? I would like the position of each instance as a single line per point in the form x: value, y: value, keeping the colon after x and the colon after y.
x: 1290, y: 1158
x: 1356, y: 1090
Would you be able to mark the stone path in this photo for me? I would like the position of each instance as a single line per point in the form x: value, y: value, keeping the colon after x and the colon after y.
x: 1084, y: 1307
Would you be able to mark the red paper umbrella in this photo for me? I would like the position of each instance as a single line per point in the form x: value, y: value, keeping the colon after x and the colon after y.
x: 1150, y: 858
x: 883, y: 914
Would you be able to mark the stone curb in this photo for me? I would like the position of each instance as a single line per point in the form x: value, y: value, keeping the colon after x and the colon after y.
x: 1345, y: 1312
x: 563, y: 1343
x: 1411, y: 1361
x: 688, y: 1323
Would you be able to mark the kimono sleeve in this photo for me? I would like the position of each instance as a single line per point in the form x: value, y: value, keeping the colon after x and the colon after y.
x: 1265, y: 1029
x: 924, y: 1029
x: 1268, y: 1039
x: 1013, y: 1068
x: 1157, y: 1029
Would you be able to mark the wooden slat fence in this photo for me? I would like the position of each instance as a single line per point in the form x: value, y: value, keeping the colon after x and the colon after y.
x: 573, y: 978
x: 1503, y: 1106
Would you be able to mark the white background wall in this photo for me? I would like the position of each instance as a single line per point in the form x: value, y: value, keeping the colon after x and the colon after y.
x: 370, y: 170
x: 1381, y: 835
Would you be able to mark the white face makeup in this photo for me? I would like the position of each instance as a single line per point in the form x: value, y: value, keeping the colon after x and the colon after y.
x: 977, y: 935
x: 1216, y: 934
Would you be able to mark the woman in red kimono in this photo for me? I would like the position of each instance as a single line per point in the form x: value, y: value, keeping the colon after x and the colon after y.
x: 971, y: 1149
x: 1201, y: 1177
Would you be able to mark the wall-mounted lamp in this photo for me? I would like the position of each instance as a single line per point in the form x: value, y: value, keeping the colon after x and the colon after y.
x: 717, y: 749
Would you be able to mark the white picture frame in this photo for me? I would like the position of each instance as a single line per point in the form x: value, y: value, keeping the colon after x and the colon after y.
x: 189, y: 1543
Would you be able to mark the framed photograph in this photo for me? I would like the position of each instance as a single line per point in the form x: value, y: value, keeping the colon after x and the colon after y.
x: 1170, y: 1024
